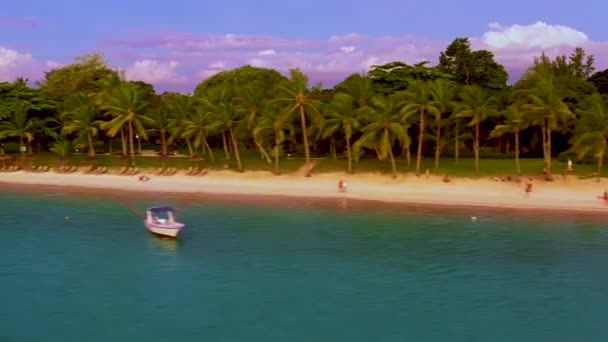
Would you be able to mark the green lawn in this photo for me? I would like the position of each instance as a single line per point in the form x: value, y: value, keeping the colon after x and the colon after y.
x: 252, y: 161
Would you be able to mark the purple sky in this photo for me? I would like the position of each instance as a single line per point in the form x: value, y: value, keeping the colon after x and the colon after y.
x: 176, y: 45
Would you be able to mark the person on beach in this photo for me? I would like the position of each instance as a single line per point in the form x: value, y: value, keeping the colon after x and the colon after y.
x: 341, y: 186
x: 446, y: 179
x: 144, y: 178
x: 528, y: 187
x: 569, y: 169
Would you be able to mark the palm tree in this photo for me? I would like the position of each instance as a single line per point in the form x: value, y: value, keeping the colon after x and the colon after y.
x: 342, y: 116
x: 81, y: 117
x: 197, y: 128
x: 544, y: 105
x: 127, y: 108
x: 477, y: 106
x: 361, y: 89
x: 251, y: 100
x: 296, y: 94
x: 273, y: 121
x: 161, y: 121
x: 62, y: 148
x: 384, y: 129
x: 592, y: 130
x: 514, y: 123
x: 20, y: 126
x: 224, y: 116
x: 442, y: 93
x: 419, y: 100
x: 183, y: 107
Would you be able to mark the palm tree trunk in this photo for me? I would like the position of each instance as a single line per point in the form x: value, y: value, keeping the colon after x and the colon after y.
x: 132, y: 146
x: 21, y: 149
x: 225, y: 143
x: 548, y: 150
x: 437, y: 147
x: 124, y: 141
x: 517, y: 166
x: 263, y: 152
x: 456, y: 142
x: 236, y: 150
x: 163, y: 143
x: 189, y: 143
x: 349, y: 155
x: 477, y: 149
x: 600, y: 162
x: 393, y: 164
x: 304, y: 133
x: 408, y: 156
x: 420, y: 137
x: 91, y: 147
x: 544, y: 134
x: 332, y: 144
x: 276, y: 154
x: 206, y: 144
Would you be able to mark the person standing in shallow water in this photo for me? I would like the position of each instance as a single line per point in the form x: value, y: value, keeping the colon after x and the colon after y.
x: 341, y: 186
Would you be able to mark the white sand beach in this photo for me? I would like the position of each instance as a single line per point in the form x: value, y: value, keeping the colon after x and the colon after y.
x: 573, y: 194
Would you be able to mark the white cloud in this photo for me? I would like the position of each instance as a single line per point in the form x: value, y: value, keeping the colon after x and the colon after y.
x: 268, y: 52
x: 538, y: 35
x: 53, y: 64
x: 15, y: 64
x: 256, y: 62
x: 348, y: 49
x: 217, y: 65
x: 152, y: 71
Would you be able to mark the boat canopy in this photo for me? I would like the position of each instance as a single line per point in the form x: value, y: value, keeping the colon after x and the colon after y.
x: 160, y: 209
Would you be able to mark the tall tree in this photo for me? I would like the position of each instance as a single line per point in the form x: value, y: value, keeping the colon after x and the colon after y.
x: 343, y: 117
x: 544, y: 105
x: 225, y: 117
x: 19, y: 125
x: 592, y: 131
x: 273, y: 122
x: 419, y: 100
x: 443, y: 94
x: 384, y: 129
x: 82, y: 76
x: 514, y: 122
x: 127, y: 109
x: 472, y: 67
x: 80, y: 117
x: 299, y: 99
x: 476, y: 105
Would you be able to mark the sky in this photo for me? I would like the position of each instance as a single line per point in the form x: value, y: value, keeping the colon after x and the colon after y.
x: 177, y: 44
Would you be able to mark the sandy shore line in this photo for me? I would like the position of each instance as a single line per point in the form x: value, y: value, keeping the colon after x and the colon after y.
x: 572, y: 195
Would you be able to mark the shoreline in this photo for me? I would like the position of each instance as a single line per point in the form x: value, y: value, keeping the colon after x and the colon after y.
x: 574, y: 195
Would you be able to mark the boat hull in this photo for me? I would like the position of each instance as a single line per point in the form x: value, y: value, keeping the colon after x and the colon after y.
x: 168, y: 230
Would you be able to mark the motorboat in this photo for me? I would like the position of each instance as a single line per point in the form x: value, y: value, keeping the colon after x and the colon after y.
x: 161, y: 221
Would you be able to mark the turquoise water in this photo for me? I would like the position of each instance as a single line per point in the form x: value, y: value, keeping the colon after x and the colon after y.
x: 298, y: 271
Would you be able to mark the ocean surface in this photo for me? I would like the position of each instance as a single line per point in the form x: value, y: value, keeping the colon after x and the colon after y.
x: 83, y: 268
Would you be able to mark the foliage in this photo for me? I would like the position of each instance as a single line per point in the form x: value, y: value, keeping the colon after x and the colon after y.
x: 396, y: 76
x: 472, y: 67
x: 83, y: 76
x: 13, y: 93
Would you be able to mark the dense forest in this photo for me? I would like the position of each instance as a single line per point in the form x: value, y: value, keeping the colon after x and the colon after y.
x: 463, y: 103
